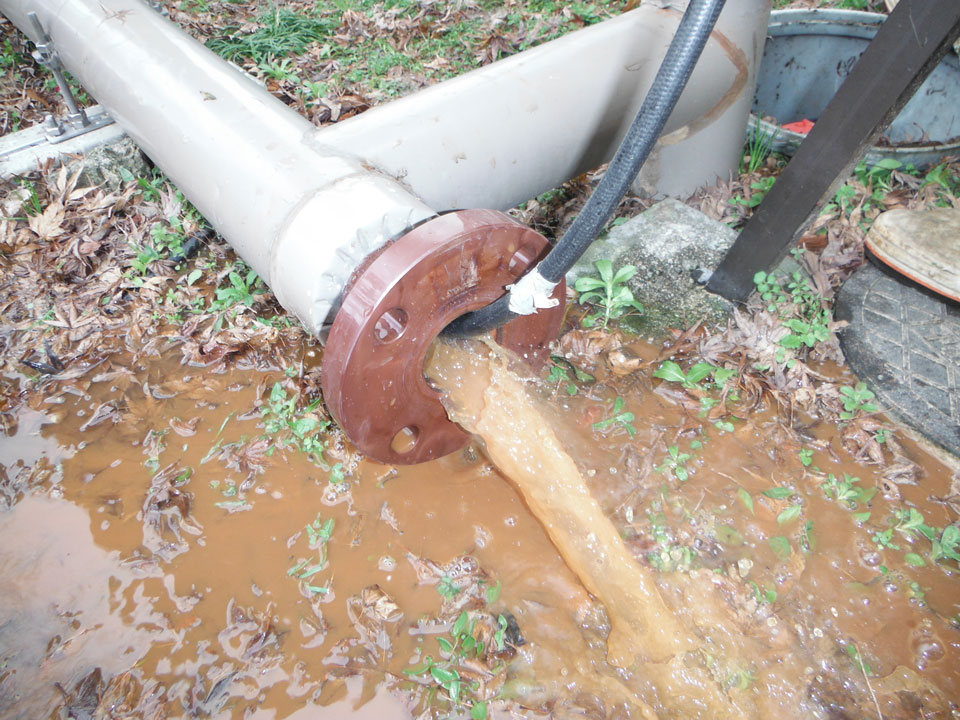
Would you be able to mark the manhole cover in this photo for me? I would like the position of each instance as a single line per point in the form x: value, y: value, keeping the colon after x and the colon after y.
x: 905, y: 343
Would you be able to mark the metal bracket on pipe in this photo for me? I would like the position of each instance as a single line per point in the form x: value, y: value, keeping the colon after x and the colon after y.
x: 76, y: 122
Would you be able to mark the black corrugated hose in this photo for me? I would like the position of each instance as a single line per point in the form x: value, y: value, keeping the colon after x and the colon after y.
x: 681, y: 57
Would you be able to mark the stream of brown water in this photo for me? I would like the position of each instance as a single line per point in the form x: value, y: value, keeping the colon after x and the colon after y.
x: 151, y: 535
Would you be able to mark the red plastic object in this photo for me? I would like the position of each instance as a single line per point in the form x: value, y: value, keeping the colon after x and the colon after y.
x: 397, y: 304
x: 800, y: 126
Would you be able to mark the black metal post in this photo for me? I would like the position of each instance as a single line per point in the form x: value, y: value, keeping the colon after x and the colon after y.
x: 907, y: 47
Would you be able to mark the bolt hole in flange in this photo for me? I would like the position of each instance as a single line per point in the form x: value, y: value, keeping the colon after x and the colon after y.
x: 399, y: 303
x: 405, y: 440
x: 522, y: 259
x: 390, y: 325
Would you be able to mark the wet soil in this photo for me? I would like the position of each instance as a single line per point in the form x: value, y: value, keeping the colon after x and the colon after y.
x: 161, y: 560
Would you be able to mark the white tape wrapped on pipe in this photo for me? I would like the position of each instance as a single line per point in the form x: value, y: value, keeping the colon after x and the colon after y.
x: 531, y: 293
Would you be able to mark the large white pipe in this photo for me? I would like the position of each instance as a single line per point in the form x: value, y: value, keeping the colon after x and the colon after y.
x: 501, y: 135
x: 304, y: 206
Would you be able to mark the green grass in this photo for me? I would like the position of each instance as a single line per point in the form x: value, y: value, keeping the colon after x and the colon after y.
x: 282, y: 32
x: 428, y: 44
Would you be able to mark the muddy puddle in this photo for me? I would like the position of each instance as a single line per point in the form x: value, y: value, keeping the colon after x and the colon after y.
x: 170, y: 549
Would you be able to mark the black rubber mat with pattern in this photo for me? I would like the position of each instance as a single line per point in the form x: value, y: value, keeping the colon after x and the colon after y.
x: 904, y: 342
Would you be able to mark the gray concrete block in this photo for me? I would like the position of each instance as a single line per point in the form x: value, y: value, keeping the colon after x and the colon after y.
x: 667, y: 243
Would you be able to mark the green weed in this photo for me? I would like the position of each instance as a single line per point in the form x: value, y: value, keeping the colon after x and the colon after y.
x: 854, y: 653
x: 948, y: 183
x: 780, y: 546
x: 464, y: 647
x: 694, y: 377
x: 669, y: 556
x: 856, y: 400
x: 672, y: 372
x: 618, y: 419
x: 10, y: 59
x: 241, y: 289
x: 846, y: 490
x: 757, y: 149
x: 675, y: 463
x: 763, y: 594
x: 292, y: 427
x: 281, y: 32
x: 609, y: 292
x: 802, y: 310
x: 560, y: 372
x: 319, y: 533
x: 910, y: 522
x: 948, y: 545
x: 760, y: 189
x: 448, y: 588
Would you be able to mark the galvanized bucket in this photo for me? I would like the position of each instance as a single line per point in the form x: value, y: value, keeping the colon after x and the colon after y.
x: 809, y: 54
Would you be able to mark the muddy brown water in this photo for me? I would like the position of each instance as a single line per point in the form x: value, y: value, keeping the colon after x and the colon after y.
x: 149, y: 545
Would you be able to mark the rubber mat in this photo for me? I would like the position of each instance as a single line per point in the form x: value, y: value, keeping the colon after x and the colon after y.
x: 904, y: 342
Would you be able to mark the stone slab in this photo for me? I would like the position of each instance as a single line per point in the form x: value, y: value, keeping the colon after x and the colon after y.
x: 904, y: 342
x: 669, y: 244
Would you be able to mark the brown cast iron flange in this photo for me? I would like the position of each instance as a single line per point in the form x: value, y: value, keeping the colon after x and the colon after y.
x: 398, y: 303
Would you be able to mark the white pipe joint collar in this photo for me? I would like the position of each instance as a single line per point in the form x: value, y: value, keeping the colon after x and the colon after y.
x: 327, y: 237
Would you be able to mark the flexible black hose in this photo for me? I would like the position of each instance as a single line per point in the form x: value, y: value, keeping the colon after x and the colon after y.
x: 681, y: 57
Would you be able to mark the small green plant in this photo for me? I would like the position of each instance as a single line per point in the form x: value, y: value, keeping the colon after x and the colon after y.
x: 854, y: 653
x: 10, y: 58
x: 948, y: 545
x: 695, y: 379
x: 780, y: 546
x: 757, y: 149
x: 807, y: 334
x: 675, y: 463
x: 789, y: 514
x: 313, y: 92
x: 798, y: 298
x: 884, y: 539
x: 746, y: 498
x: 448, y: 588
x: 669, y: 555
x: 297, y: 428
x: 240, y: 290
x: 802, y: 310
x: 760, y: 189
x: 910, y: 522
x: 319, y: 532
x: 619, y: 418
x: 140, y: 265
x: 779, y: 493
x: 281, y: 71
x: 806, y: 456
x: 846, y: 491
x: 281, y: 32
x: 948, y: 184
x: 459, y: 653
x: 560, y: 372
x: 672, y: 372
x: 879, y: 175
x: 609, y: 292
x: 763, y: 594
x: 856, y: 400
x: 168, y: 238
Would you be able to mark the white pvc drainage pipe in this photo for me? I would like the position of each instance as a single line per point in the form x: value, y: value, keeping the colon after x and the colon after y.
x: 304, y: 206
